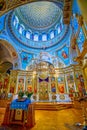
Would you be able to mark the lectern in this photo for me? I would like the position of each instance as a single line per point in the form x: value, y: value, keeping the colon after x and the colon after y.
x: 20, y: 112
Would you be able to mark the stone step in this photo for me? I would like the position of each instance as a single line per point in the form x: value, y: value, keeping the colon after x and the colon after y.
x: 52, y: 106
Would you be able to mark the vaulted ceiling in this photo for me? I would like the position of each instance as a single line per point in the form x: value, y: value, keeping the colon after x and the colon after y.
x: 38, y: 26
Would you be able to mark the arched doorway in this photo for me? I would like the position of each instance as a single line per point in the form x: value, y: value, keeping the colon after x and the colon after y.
x: 7, y: 56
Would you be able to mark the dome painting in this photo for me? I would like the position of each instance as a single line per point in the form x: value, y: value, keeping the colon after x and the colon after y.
x: 42, y: 14
x: 41, y: 27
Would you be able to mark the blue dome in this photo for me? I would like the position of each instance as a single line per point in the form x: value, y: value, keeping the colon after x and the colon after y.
x: 42, y: 14
x: 38, y: 24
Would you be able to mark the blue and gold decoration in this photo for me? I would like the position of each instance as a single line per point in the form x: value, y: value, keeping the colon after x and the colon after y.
x: 26, y: 58
x: 63, y: 53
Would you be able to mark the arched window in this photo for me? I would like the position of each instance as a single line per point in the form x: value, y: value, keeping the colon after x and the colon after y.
x: 59, y: 29
x: 44, y: 37
x: 61, y: 20
x: 21, y: 28
x: 52, y: 35
x: 15, y: 22
x: 28, y: 35
x: 35, y: 37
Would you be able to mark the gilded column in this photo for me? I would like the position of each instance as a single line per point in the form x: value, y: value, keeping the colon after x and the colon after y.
x: 75, y: 84
x: 84, y: 76
x: 49, y: 90
x: 66, y: 83
x: 38, y: 88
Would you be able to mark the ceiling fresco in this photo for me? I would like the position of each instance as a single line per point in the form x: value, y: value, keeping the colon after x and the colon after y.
x: 37, y: 27
x: 74, y: 23
x: 81, y: 39
x: 26, y: 58
x: 63, y: 53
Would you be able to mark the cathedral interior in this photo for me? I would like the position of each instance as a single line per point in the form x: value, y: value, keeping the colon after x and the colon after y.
x: 43, y: 64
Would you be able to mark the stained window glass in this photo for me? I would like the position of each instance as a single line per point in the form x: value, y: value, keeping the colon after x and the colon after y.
x: 59, y: 30
x: 44, y: 37
x: 52, y: 35
x: 15, y: 22
x: 36, y: 37
x: 28, y: 35
x: 21, y: 28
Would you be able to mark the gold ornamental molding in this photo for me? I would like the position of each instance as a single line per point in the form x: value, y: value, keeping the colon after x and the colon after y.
x: 67, y: 11
x: 7, y: 5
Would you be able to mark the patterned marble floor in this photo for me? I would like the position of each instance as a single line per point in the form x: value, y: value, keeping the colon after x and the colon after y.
x: 52, y: 120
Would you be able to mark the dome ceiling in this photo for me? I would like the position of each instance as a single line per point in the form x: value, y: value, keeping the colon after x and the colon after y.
x: 38, y: 25
x: 39, y: 14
